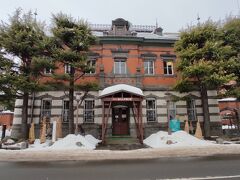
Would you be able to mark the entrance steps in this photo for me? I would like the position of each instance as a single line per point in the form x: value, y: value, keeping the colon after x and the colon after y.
x: 121, y: 143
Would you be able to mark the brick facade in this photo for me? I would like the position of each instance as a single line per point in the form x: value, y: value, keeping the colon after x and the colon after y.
x: 149, y: 63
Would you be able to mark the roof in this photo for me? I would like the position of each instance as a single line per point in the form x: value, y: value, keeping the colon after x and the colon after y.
x: 121, y: 88
x: 145, y: 35
x: 156, y: 36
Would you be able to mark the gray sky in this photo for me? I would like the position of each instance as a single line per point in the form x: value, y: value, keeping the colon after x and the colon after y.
x: 171, y: 15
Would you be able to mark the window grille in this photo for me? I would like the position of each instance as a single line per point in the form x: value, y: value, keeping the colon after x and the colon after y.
x: 89, y: 111
x: 46, y: 108
x: 151, y: 110
x: 191, y: 110
x: 171, y: 110
x: 65, y: 111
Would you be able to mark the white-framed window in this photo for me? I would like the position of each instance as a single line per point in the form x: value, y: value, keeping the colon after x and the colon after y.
x: 120, y: 66
x: 65, y: 111
x: 171, y: 109
x: 47, y: 71
x: 168, y: 67
x: 151, y: 110
x: 191, y: 110
x: 92, y: 64
x: 67, y: 68
x: 46, y: 108
x: 88, y: 111
x: 148, y: 66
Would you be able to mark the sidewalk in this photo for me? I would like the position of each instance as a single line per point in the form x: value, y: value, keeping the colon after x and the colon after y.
x: 95, y: 155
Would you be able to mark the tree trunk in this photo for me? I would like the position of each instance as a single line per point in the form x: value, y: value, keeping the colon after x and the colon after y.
x: 206, y: 116
x: 71, y: 104
x: 24, y: 126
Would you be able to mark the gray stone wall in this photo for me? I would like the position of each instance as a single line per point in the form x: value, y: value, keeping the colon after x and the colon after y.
x: 57, y: 98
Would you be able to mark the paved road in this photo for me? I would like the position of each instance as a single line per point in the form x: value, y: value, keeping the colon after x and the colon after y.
x: 117, y: 170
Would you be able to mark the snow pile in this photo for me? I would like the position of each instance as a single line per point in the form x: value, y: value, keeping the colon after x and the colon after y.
x: 7, y: 133
x: 179, y: 138
x: 71, y: 141
x: 38, y: 145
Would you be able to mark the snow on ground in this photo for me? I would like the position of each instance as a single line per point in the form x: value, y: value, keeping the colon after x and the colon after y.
x: 37, y: 145
x: 71, y: 141
x: 8, y: 132
x: 179, y: 139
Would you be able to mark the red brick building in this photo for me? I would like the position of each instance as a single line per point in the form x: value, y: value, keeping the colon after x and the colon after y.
x: 141, y: 58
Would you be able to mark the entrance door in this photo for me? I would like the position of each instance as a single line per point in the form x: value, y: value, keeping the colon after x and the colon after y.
x: 120, y: 121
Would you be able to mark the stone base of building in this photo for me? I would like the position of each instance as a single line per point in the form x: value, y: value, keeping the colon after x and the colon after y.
x: 16, y: 131
x: 96, y: 131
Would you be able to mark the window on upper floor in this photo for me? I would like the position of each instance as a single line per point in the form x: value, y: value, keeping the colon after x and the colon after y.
x: 92, y: 65
x: 149, y: 67
x: 151, y: 110
x: 88, y: 111
x: 67, y: 68
x: 120, y: 66
x: 47, y: 71
x: 168, y: 67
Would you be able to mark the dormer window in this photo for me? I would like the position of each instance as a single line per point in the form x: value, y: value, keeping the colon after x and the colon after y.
x: 120, y: 27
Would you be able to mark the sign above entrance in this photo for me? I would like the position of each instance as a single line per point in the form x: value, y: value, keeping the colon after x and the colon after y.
x: 122, y: 99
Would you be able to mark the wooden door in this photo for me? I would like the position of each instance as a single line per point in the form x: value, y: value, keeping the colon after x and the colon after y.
x: 120, y: 121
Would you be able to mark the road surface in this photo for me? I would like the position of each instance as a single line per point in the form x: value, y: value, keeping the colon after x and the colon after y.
x: 218, y: 167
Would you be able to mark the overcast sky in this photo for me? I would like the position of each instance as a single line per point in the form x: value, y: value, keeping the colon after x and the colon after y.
x: 171, y: 15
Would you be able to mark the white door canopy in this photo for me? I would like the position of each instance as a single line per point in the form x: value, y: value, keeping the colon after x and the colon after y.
x: 121, y: 88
